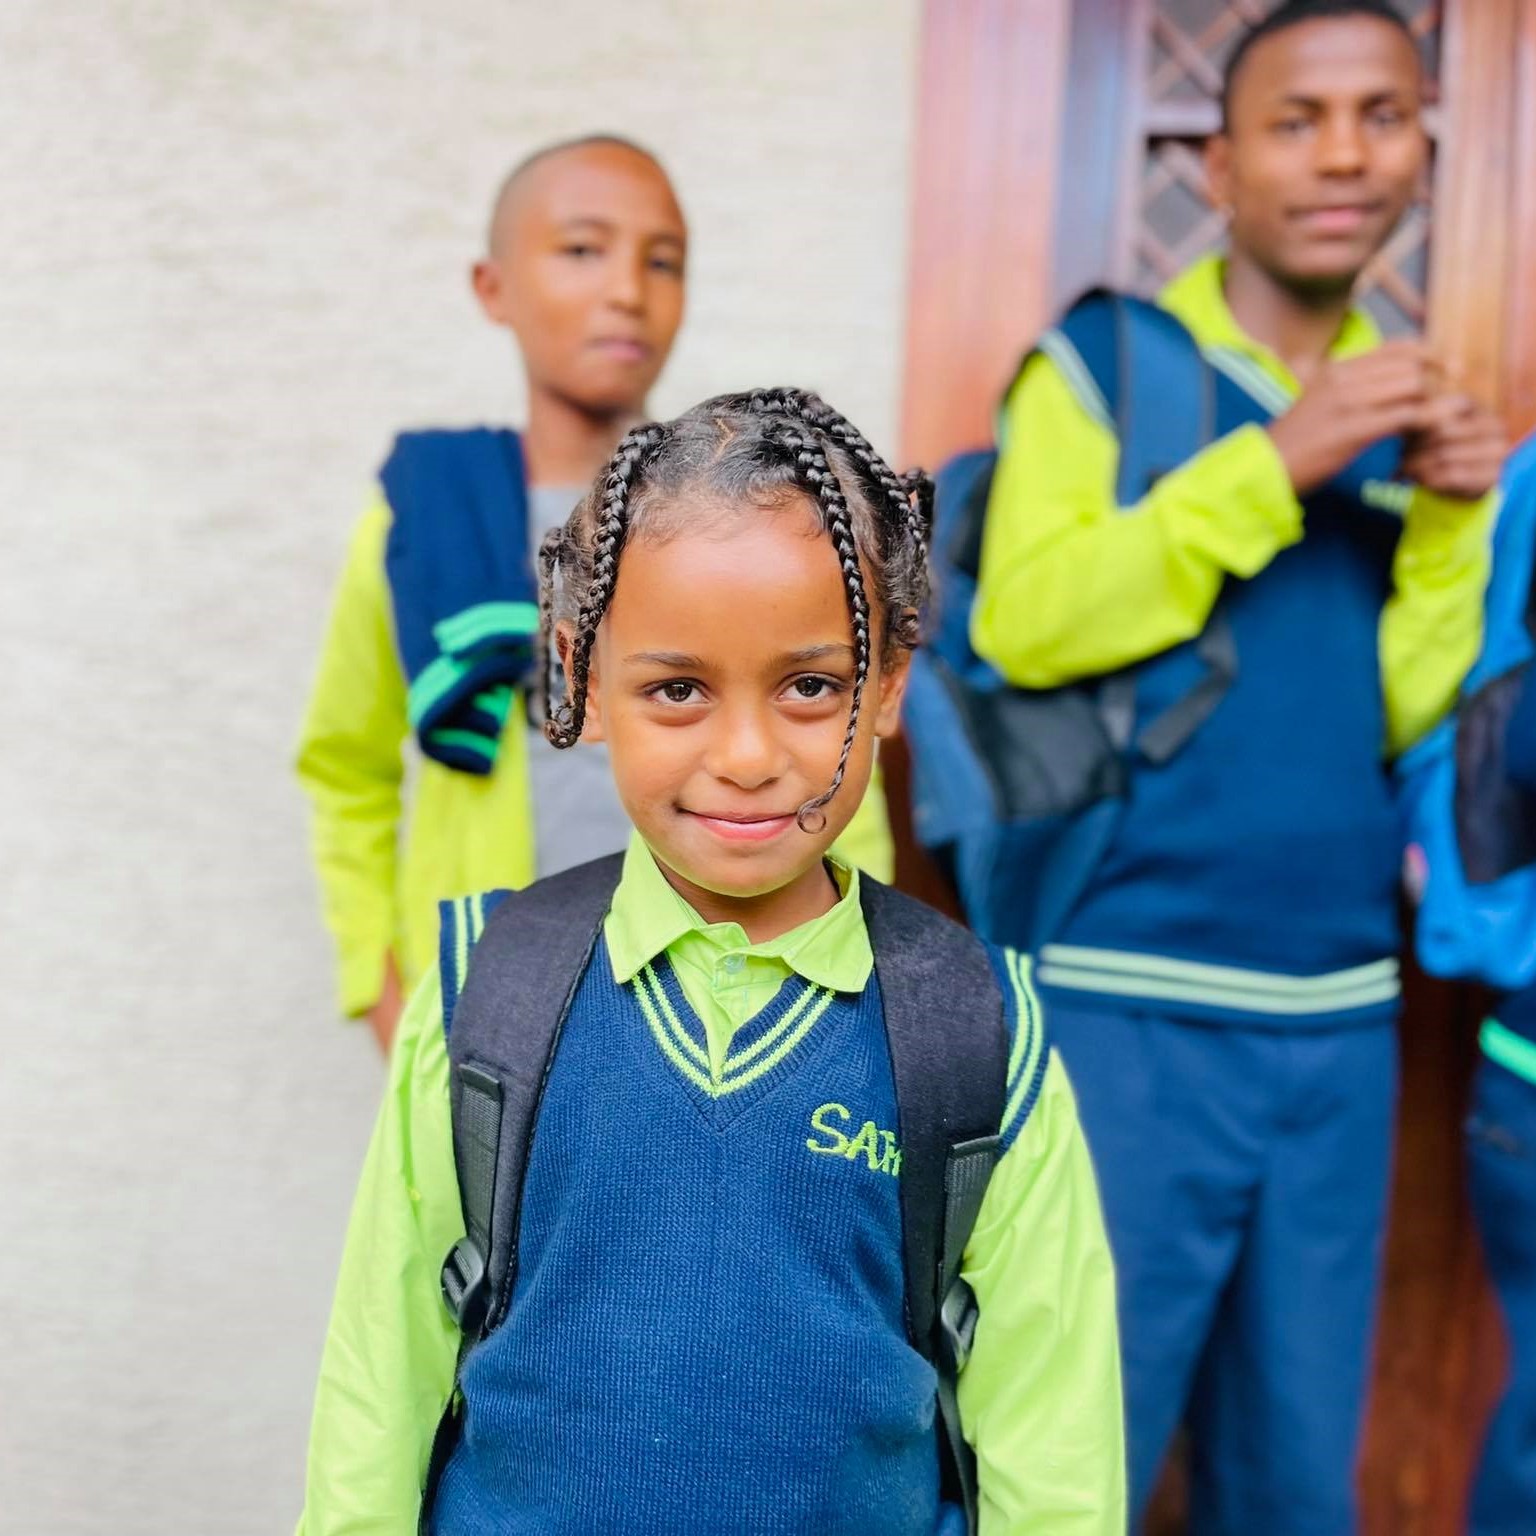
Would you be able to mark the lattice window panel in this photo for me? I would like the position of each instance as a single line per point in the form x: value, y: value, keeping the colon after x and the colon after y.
x: 1173, y: 221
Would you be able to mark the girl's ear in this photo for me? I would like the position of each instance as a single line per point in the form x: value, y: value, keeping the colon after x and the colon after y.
x: 592, y: 724
x: 894, y: 669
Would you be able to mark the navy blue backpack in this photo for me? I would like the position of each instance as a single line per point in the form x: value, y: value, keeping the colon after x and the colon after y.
x: 1017, y: 792
x: 1472, y: 829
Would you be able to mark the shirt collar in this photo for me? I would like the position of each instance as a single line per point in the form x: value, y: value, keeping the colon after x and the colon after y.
x: 648, y: 916
x: 1195, y: 296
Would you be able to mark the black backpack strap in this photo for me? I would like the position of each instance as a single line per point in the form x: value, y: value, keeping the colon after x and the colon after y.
x: 512, y: 1002
x: 949, y: 1057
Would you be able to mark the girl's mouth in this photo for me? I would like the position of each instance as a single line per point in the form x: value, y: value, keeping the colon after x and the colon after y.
x: 743, y: 829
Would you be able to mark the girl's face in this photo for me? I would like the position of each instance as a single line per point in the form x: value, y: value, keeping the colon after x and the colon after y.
x: 721, y: 679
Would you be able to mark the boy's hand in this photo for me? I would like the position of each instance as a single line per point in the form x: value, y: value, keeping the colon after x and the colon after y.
x: 1350, y: 404
x: 1460, y: 450
x: 384, y: 1016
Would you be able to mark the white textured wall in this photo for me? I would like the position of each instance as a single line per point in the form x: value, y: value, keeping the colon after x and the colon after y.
x: 233, y: 239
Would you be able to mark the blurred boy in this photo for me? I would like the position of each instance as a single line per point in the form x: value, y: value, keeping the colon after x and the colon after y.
x: 1502, y: 1144
x: 434, y: 616
x: 1224, y: 992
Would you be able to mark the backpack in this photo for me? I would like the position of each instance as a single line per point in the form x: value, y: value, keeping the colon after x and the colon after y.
x: 511, y: 964
x: 1016, y: 791
x: 1471, y: 832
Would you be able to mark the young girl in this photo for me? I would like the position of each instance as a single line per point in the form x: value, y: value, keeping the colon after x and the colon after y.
x: 708, y: 1328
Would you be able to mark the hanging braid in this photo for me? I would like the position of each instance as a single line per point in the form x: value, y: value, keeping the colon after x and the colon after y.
x: 743, y: 452
x: 541, y: 704
x: 820, y: 479
x: 563, y: 725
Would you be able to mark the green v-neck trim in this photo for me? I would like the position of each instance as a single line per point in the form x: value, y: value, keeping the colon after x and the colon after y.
x: 765, y: 1043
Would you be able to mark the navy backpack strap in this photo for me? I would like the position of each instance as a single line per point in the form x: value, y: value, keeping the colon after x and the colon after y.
x: 1138, y: 370
x: 510, y: 1003
x: 949, y: 1057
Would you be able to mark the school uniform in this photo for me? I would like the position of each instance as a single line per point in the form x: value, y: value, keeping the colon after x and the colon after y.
x: 1501, y: 1139
x: 1224, y: 991
x: 491, y: 807
x: 706, y: 1331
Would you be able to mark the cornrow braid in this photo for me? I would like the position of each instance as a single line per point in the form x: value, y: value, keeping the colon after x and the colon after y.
x: 909, y: 496
x: 563, y: 725
x: 815, y: 472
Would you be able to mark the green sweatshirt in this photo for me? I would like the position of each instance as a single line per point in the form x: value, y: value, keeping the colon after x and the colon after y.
x: 1102, y: 587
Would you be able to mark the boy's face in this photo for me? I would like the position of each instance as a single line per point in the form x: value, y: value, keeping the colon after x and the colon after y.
x: 586, y: 268
x: 1323, y: 149
x: 721, y: 679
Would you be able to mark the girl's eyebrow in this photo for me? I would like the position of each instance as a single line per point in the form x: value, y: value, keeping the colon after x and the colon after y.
x: 678, y: 659
x: 841, y: 650
x: 683, y: 662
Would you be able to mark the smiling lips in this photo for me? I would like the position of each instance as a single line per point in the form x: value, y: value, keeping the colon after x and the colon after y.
x: 744, y: 829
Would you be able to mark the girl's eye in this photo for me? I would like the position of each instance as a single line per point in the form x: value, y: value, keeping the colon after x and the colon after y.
x: 579, y: 250
x: 667, y: 264
x: 813, y: 687
x: 677, y: 692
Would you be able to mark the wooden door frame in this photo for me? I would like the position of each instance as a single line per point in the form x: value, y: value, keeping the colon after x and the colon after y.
x: 1020, y: 195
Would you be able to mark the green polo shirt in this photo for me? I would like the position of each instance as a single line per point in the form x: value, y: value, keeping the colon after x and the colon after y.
x: 1039, y: 1398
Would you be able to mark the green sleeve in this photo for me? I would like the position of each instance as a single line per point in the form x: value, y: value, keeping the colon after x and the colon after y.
x: 1074, y: 586
x: 866, y: 840
x: 1040, y: 1395
x: 1432, y: 625
x: 388, y: 1364
x: 350, y: 765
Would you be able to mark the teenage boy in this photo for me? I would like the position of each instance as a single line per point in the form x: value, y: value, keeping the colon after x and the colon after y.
x: 1224, y: 991
x: 432, y: 624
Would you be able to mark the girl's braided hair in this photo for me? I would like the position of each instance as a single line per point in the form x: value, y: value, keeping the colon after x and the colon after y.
x: 753, y: 451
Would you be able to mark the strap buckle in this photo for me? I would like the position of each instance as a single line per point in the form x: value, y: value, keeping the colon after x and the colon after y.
x: 958, y: 1314
x: 466, y: 1291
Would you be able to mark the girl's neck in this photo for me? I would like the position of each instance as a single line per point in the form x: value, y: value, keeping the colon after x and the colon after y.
x: 565, y: 444
x: 809, y: 895
x: 1299, y: 327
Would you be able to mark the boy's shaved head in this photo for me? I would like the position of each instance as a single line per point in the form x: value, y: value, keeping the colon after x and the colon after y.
x: 585, y: 262
x: 521, y: 178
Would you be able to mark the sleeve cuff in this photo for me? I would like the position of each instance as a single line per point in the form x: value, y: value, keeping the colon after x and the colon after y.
x: 1442, y: 530
x: 360, y: 980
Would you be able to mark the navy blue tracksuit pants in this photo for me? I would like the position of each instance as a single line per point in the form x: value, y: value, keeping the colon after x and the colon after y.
x: 1244, y: 1176
x: 1501, y: 1139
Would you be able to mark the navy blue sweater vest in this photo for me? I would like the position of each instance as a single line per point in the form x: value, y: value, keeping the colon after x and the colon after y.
x: 1271, y: 841
x: 707, y: 1329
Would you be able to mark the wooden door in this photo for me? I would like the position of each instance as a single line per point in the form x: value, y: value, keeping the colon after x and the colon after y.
x: 1058, y: 145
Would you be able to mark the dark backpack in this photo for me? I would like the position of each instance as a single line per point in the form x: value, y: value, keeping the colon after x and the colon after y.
x: 1018, y: 791
x: 511, y: 964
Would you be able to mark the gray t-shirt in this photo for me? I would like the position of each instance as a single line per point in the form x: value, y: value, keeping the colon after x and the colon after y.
x: 576, y: 812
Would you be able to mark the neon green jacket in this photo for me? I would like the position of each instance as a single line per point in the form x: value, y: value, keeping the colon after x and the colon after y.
x: 1039, y: 1398
x: 464, y: 834
x: 1073, y: 586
